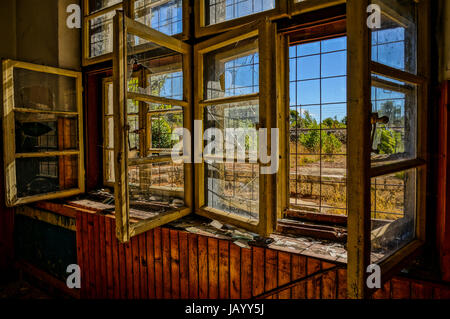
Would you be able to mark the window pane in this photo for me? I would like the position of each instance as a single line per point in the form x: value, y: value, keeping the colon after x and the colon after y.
x: 163, y: 68
x: 162, y: 126
x: 41, y: 132
x: 101, y: 34
x: 393, y: 212
x: 44, y: 91
x: 318, y: 126
x: 233, y: 185
x: 43, y: 175
x: 395, y: 138
x: 155, y: 188
x: 167, y: 84
x: 95, y: 5
x: 395, y: 43
x: 165, y: 16
x: 233, y: 70
x: 222, y: 10
x: 109, y: 171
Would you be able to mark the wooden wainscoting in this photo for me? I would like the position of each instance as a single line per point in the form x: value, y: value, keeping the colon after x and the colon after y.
x: 168, y: 263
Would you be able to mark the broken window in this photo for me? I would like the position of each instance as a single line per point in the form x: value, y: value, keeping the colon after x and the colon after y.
x: 232, y: 110
x: 387, y: 156
x: 150, y: 112
x: 43, y: 132
x: 165, y: 16
x: 223, y: 10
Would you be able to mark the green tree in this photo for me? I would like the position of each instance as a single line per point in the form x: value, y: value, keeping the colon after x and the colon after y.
x: 387, y: 142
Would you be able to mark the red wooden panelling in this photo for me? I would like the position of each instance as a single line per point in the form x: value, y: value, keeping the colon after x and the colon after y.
x: 184, y: 265
x: 158, y: 264
x: 213, y: 267
x: 443, y: 190
x: 224, y: 270
x: 167, y: 263
x: 235, y: 271
x: 202, y: 267
x: 175, y: 264
x: 193, y: 266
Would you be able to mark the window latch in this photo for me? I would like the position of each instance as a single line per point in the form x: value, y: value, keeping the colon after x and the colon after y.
x: 374, y: 120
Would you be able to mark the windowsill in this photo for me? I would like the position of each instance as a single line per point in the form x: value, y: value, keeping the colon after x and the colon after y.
x: 331, y: 251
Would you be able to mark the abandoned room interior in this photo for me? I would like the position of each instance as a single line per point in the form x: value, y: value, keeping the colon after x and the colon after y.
x: 123, y: 159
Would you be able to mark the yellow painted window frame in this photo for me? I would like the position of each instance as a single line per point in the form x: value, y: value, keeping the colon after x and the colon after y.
x: 9, y: 133
x: 123, y: 26
x: 360, y: 171
x: 266, y: 32
x: 128, y: 7
x: 105, y: 116
x: 201, y: 29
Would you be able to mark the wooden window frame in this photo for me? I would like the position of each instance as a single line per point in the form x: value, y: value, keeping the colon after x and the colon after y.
x: 105, y: 101
x: 360, y: 171
x: 122, y: 27
x: 201, y: 29
x: 128, y: 7
x: 9, y: 133
x: 320, y: 31
x: 266, y: 32
x: 305, y: 6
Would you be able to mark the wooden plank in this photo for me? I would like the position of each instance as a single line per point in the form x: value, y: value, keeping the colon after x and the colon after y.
x: 441, y: 293
x: 165, y: 238
x: 284, y: 273
x: 358, y: 147
x: 143, y: 266
x: 224, y: 269
x: 151, y: 262
x: 92, y: 266
x: 246, y: 273
x: 193, y: 266
x: 384, y: 292
x: 313, y: 285
x: 213, y: 268
x: 120, y: 144
x: 154, y: 36
x: 109, y: 260
x: 421, y: 291
x: 96, y: 245
x: 122, y: 269
x: 203, y: 267
x: 268, y: 119
x: 342, y: 284
x: 329, y: 285
x: 157, y: 99
x: 102, y: 256
x: 129, y: 269
x: 401, y: 289
x: 184, y: 265
x: 136, y: 267
x: 158, y: 264
x: 271, y: 273
x: 115, y: 260
x: 298, y: 270
x: 175, y: 264
x: 235, y: 271
x: 258, y: 270
x: 80, y: 253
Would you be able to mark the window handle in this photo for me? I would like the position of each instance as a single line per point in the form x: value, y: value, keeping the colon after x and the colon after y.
x: 374, y: 120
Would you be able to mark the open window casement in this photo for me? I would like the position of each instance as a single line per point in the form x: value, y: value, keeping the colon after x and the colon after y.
x: 42, y: 132
x: 152, y: 105
x: 386, y: 99
x: 236, y: 101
